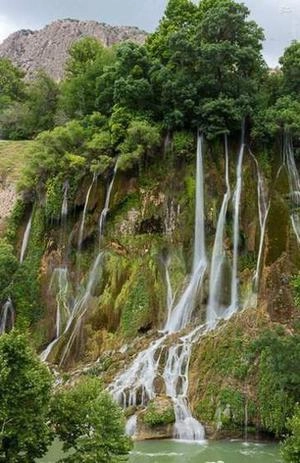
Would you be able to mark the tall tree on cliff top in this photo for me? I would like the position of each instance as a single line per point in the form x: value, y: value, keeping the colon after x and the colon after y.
x: 230, y: 64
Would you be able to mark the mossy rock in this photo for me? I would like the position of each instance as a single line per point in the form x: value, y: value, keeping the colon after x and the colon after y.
x: 159, y: 412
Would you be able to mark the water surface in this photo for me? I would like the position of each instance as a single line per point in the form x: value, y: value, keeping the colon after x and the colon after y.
x: 178, y: 452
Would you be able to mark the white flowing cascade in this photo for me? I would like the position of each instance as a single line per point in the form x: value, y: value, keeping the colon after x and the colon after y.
x: 64, y: 207
x: 214, y: 308
x: 105, y: 210
x: 182, y: 312
x: 25, y: 240
x: 136, y: 385
x: 236, y: 234
x: 294, y: 184
x: 170, y: 295
x: 76, y: 308
x: 86, y: 203
x: 7, y: 318
x: 263, y: 212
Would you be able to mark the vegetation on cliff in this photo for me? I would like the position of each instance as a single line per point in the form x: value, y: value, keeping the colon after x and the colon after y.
x: 125, y: 118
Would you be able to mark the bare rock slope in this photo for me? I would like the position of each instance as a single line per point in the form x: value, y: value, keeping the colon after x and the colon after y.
x: 48, y: 48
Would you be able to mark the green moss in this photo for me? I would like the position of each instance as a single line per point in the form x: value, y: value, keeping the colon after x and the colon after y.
x: 156, y: 416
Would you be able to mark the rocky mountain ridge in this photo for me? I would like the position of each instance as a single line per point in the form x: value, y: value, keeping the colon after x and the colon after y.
x: 47, y: 48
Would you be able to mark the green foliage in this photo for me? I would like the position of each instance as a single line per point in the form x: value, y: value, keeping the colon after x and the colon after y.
x: 296, y: 287
x: 279, y: 378
x: 290, y: 62
x: 24, y: 288
x: 8, y: 264
x: 137, y: 303
x: 290, y: 450
x: 142, y: 140
x: 183, y: 144
x: 25, y: 385
x: 156, y: 416
x: 90, y: 424
x: 87, y: 62
x: 11, y: 83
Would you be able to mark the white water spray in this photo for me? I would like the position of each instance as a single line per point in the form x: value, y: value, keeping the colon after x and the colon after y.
x: 7, y: 318
x: 81, y: 230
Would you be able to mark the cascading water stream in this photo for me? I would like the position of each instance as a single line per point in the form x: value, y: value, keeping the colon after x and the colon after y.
x: 177, y: 383
x: 263, y: 212
x: 136, y: 385
x: 81, y: 230
x: 7, y: 318
x: 77, y: 308
x: 294, y: 184
x: 218, y: 255
x: 105, y: 210
x: 236, y: 232
x: 182, y: 312
x: 26, y: 237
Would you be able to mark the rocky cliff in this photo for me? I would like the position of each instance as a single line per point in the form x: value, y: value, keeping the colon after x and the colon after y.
x: 48, y: 48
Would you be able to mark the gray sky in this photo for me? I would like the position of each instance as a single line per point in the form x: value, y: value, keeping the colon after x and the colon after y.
x: 279, y: 18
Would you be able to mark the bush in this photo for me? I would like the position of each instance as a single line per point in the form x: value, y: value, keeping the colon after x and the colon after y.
x: 290, y: 450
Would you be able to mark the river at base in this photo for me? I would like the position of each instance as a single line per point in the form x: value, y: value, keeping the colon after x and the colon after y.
x: 177, y: 452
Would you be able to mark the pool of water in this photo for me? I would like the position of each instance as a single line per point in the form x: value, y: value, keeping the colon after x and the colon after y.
x: 215, y: 452
x: 178, y: 452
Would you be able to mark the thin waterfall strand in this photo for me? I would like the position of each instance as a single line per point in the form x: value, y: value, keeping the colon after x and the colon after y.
x: 218, y: 254
x: 26, y: 237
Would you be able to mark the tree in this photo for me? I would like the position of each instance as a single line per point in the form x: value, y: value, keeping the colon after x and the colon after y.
x: 90, y: 424
x: 230, y: 64
x: 290, y: 63
x: 87, y: 63
x: 25, y: 386
x: 290, y: 450
x: 11, y: 83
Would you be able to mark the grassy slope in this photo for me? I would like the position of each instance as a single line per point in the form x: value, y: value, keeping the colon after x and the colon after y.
x: 13, y: 158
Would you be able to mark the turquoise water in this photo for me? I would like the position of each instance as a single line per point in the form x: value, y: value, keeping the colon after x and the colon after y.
x: 178, y: 452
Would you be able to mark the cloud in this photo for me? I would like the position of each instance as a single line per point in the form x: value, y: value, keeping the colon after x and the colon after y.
x: 6, y: 27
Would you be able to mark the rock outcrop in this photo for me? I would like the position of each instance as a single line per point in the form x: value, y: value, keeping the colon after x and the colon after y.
x: 47, y: 48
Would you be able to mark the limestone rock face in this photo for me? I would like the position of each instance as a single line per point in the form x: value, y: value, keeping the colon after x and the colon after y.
x: 47, y: 48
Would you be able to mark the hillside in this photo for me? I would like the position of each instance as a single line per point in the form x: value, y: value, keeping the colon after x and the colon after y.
x: 48, y: 48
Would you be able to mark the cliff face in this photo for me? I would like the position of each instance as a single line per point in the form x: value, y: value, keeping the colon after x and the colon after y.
x: 48, y: 48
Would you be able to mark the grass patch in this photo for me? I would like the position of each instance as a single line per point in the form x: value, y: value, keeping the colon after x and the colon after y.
x: 13, y: 158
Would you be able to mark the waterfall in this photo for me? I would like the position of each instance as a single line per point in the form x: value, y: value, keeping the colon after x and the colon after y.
x: 169, y: 295
x: 218, y: 254
x: 78, y: 308
x: 177, y: 383
x: 7, y: 318
x: 136, y: 385
x: 182, y: 312
x: 294, y: 184
x: 105, y: 210
x: 81, y: 230
x: 236, y: 232
x: 130, y: 428
x: 263, y: 212
x: 64, y: 207
x: 25, y: 240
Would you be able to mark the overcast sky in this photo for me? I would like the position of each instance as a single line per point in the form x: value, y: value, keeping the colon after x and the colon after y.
x: 279, y: 18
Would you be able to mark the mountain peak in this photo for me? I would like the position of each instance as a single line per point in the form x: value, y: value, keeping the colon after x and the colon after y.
x: 48, y: 47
